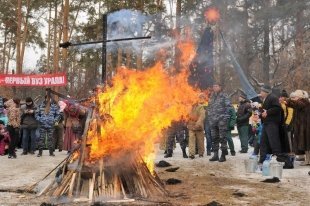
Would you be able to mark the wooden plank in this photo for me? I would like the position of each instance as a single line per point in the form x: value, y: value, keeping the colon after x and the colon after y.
x: 82, y: 148
x: 72, y: 185
x: 91, y: 187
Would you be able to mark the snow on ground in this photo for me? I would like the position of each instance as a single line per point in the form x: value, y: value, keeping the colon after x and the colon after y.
x: 202, y: 181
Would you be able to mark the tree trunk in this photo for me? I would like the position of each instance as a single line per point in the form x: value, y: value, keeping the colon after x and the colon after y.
x: 246, y: 58
x: 139, y: 60
x: 119, y: 57
x: 56, y: 58
x: 55, y: 42
x: 128, y: 57
x: 75, y: 18
x: 299, y: 38
x: 25, y: 33
x: 65, y: 34
x: 9, y: 55
x: 109, y: 66
x: 177, y: 53
x: 18, y: 37
x: 4, y: 50
x: 49, y: 39
x: 266, y: 56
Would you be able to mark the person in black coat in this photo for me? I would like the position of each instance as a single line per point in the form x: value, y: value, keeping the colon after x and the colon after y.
x: 271, y: 118
x: 244, y: 113
x: 29, y: 125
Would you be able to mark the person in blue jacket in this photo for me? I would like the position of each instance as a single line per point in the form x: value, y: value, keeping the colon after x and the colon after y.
x: 47, y: 114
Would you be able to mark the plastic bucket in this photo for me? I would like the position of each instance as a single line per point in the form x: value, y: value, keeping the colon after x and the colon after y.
x: 250, y: 165
x: 276, y: 169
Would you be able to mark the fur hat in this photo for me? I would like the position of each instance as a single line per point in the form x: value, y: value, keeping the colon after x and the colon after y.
x: 298, y: 93
x: 284, y: 93
x: 266, y: 88
x: 306, y: 95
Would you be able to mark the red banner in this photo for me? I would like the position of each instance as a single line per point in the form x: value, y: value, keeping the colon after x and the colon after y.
x: 37, y: 80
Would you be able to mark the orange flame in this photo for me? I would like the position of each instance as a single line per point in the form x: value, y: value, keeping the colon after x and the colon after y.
x: 135, y: 110
x: 212, y: 15
x: 188, y: 52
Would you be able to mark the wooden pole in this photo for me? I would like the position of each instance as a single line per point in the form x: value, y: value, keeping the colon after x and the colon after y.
x: 82, y: 150
x: 104, y: 49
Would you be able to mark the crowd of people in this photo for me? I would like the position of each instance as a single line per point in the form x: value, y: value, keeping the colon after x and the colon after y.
x: 33, y: 128
x: 277, y: 124
x: 274, y: 124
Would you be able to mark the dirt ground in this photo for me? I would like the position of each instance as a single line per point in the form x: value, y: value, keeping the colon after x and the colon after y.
x: 203, y: 182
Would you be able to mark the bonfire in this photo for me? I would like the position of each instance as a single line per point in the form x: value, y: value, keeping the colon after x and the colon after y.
x: 115, y: 160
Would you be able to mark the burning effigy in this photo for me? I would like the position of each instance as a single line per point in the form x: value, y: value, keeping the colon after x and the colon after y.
x: 115, y: 157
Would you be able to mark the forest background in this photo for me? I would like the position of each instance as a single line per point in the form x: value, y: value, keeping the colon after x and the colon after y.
x: 270, y: 39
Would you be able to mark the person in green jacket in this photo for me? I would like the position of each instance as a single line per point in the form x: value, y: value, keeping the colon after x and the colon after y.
x: 231, y: 125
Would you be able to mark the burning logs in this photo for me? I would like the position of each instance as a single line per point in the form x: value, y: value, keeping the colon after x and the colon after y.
x: 120, y: 176
x: 107, y: 179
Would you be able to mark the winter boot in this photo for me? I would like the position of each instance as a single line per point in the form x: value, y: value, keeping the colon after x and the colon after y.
x: 184, y: 153
x: 52, y: 152
x: 222, y: 158
x: 307, y: 159
x: 208, y: 152
x: 169, y: 153
x: 300, y: 158
x: 40, y: 153
x: 215, y: 156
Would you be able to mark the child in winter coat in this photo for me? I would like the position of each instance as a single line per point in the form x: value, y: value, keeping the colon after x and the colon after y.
x: 256, y: 131
x: 4, y: 139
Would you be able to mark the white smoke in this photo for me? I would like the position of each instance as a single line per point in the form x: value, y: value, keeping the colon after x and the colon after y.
x: 126, y: 23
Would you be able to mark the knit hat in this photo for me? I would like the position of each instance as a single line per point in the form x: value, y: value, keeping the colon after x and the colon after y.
x: 29, y: 99
x: 284, y: 93
x: 266, y: 88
